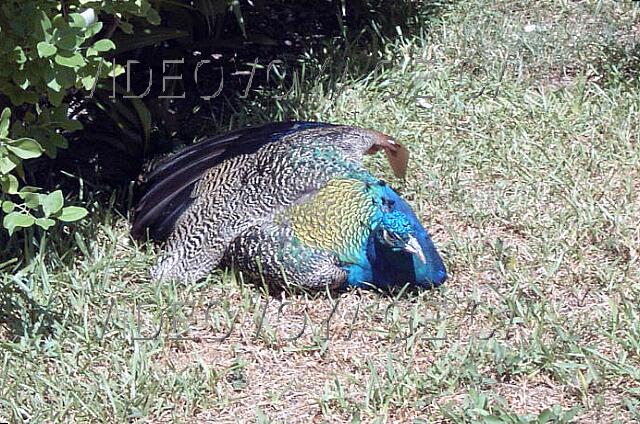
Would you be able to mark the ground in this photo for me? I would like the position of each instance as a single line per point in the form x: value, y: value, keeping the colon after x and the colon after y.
x: 523, y: 120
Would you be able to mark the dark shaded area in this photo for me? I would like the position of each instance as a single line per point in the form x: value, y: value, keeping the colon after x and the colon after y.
x: 20, y: 314
x: 120, y: 136
x: 621, y: 64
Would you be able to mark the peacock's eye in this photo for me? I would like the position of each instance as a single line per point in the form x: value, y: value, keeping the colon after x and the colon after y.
x: 387, y: 204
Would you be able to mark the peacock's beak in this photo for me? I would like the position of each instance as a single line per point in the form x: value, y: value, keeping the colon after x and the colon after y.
x: 413, y: 247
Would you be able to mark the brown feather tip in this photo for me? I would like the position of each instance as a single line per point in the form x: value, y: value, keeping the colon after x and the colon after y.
x: 397, y: 154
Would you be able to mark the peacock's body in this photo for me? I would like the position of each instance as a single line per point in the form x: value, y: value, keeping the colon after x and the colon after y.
x: 287, y: 202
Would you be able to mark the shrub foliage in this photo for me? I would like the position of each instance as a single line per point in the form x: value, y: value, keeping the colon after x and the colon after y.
x: 49, y: 49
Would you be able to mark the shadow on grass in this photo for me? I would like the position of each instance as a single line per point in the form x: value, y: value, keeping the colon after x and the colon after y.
x: 20, y: 315
x: 621, y: 64
x: 34, y: 261
x: 276, y: 291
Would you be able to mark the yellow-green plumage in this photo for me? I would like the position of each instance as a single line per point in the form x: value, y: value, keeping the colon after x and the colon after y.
x: 336, y: 218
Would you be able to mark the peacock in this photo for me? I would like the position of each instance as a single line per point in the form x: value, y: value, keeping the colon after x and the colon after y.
x: 287, y: 203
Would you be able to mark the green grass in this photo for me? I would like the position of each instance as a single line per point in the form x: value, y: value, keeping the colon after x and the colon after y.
x: 526, y: 170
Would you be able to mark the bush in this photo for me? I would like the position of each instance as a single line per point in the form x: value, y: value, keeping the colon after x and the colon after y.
x: 48, y: 50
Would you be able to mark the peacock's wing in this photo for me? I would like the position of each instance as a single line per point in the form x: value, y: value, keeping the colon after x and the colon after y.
x: 270, y: 253
x: 166, y: 189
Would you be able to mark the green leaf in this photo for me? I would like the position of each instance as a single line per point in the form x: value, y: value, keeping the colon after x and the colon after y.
x: 92, y: 30
x: 19, y: 170
x: 45, y: 223
x: 8, y: 206
x: 56, y: 97
x: 153, y: 17
x: 74, y: 61
x: 9, y: 184
x: 25, y: 148
x: 52, y: 203
x: 66, y: 39
x: 4, y: 122
x: 77, y: 21
x: 117, y: 71
x: 24, y: 84
x: 58, y: 21
x: 46, y: 49
x: 72, y: 213
x: 45, y: 23
x: 66, y: 77
x: 19, y: 56
x: 31, y: 200
x: 71, y: 125
x: 7, y: 165
x: 59, y: 141
x: 54, y: 85
x: 88, y: 82
x: 17, y: 220
x: 104, y: 45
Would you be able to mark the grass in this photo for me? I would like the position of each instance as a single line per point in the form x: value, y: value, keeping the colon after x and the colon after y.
x: 523, y: 119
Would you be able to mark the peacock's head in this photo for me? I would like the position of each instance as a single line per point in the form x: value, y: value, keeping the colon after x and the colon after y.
x: 402, y: 251
x: 398, y: 233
